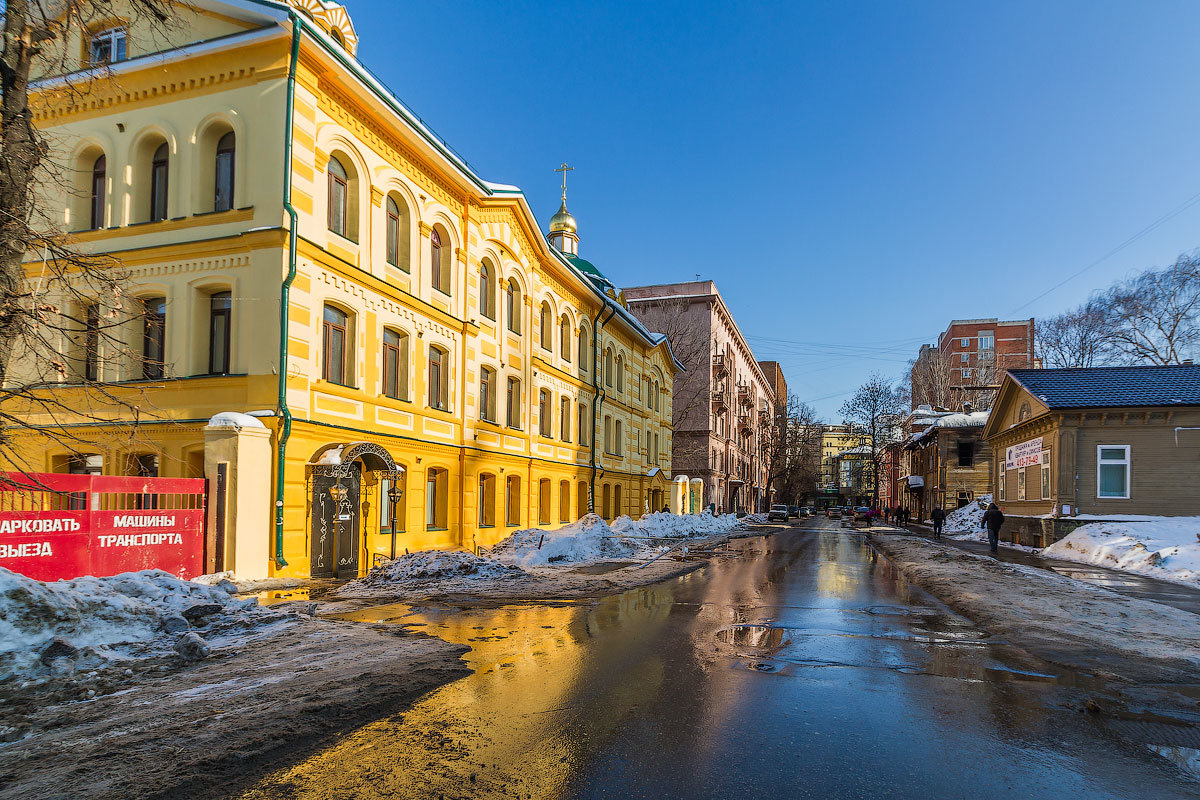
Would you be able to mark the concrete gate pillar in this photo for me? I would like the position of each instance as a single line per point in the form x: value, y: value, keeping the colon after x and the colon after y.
x: 237, y: 464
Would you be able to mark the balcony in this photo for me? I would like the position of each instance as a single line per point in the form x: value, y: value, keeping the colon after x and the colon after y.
x: 745, y: 397
x: 720, y: 401
x: 720, y: 366
x: 744, y: 423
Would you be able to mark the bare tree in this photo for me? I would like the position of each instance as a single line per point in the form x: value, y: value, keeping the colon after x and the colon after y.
x: 875, y: 410
x: 60, y: 308
x: 793, y: 451
x: 1081, y: 337
x: 1155, y: 315
x: 930, y: 378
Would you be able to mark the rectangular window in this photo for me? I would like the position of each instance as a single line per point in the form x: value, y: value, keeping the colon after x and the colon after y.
x: 965, y: 358
x: 108, y: 47
x: 513, y: 406
x: 431, y: 500
x: 966, y: 454
x: 437, y: 379
x: 987, y: 340
x: 1021, y: 483
x: 1002, y: 484
x: 1045, y: 474
x: 219, y: 322
x: 965, y: 342
x: 966, y: 373
x: 1112, y: 471
x: 91, y: 343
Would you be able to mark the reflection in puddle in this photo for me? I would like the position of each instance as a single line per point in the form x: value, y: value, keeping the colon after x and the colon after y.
x: 1186, y: 758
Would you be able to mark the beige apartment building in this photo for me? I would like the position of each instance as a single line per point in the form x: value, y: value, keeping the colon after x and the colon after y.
x: 724, y: 404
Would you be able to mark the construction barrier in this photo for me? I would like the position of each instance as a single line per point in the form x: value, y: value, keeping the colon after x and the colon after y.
x: 55, y: 526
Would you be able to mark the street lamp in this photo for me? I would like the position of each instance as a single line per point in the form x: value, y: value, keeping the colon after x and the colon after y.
x: 395, y: 493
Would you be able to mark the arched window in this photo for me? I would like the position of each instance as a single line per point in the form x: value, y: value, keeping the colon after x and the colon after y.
x: 564, y: 337
x: 439, y: 378
x: 487, y: 290
x: 223, y: 186
x: 585, y: 352
x: 564, y: 419
x: 220, y: 318
x: 544, y: 412
x: 487, y: 394
x: 618, y: 510
x: 608, y: 434
x: 335, y: 339
x: 158, y: 183
x: 544, y: 501
x: 154, y: 337
x: 487, y: 501
x: 395, y: 364
x: 439, y: 262
x: 544, y: 323
x: 621, y: 373
x: 512, y: 308
x: 606, y: 501
x: 608, y: 367
x: 564, y: 501
x: 582, y: 425
x: 512, y: 403
x: 392, y: 233
x: 512, y: 501
x: 581, y: 498
x: 657, y: 396
x: 96, y: 218
x: 339, y: 191
x: 619, y: 439
x: 436, y: 498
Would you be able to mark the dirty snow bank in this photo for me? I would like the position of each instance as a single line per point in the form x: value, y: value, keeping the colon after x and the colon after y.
x: 53, y: 629
x: 1166, y: 547
x: 1060, y: 619
x: 537, y: 560
x: 235, y: 584
x: 969, y: 518
x: 592, y: 539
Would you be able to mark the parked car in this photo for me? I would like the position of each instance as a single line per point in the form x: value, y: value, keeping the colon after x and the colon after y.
x: 863, y: 513
x: 833, y: 512
x: 793, y: 511
x: 778, y: 512
x: 805, y: 511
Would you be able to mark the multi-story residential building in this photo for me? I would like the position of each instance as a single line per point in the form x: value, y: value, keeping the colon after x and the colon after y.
x: 310, y: 255
x: 970, y: 357
x: 724, y: 404
x: 843, y: 475
x: 949, y: 464
x: 776, y: 454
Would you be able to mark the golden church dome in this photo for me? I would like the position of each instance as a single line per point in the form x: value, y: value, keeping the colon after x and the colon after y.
x: 563, y: 221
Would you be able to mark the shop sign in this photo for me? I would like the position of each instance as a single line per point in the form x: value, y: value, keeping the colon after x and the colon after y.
x: 1025, y: 454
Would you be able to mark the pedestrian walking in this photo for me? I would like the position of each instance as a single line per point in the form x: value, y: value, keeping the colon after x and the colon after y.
x: 993, y: 518
x: 938, y: 516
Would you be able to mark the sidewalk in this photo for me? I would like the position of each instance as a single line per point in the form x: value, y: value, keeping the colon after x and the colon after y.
x: 1126, y: 583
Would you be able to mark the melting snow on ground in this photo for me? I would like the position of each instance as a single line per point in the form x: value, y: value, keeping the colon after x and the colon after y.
x: 1165, y: 547
x: 54, y: 629
x: 545, y: 551
x: 969, y: 518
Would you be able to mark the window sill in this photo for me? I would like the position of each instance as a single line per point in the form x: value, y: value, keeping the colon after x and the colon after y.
x: 485, y: 526
x: 345, y: 239
x: 435, y: 528
x: 442, y: 292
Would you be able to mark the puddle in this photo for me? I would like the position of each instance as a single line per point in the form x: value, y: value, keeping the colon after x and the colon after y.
x: 758, y: 636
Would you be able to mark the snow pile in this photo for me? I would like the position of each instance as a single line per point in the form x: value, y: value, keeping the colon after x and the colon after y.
x: 754, y: 519
x: 592, y: 539
x: 434, y: 564
x: 588, y: 539
x: 969, y: 518
x: 56, y: 628
x: 233, y: 583
x: 1166, y: 547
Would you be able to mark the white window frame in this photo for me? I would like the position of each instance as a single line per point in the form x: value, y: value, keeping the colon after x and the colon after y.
x: 1126, y: 462
x: 117, y: 39
x: 1002, y: 486
x: 965, y: 358
x: 1021, y: 483
x: 964, y: 342
x: 966, y: 373
x: 1047, y: 492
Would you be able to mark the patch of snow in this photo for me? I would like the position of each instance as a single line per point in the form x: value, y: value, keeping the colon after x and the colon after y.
x: 101, y: 620
x: 233, y: 419
x: 1164, y: 547
x: 969, y: 518
x: 331, y: 457
x: 430, y: 564
x: 246, y: 584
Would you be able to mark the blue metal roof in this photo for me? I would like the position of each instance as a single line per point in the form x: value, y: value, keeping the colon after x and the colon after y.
x: 1113, y: 387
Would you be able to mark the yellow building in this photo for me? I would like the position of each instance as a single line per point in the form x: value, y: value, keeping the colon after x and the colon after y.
x: 260, y: 180
x: 844, y: 476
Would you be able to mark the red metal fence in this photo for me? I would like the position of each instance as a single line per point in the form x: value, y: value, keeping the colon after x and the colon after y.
x: 55, y: 526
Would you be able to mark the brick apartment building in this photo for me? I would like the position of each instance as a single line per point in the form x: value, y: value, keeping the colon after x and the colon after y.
x: 724, y: 405
x: 969, y: 360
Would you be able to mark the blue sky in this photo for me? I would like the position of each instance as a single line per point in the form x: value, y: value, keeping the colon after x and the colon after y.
x: 852, y: 176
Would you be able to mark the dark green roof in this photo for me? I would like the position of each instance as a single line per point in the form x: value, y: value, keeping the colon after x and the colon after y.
x: 585, y: 266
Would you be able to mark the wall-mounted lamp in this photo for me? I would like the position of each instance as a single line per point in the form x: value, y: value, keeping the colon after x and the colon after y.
x: 120, y: 127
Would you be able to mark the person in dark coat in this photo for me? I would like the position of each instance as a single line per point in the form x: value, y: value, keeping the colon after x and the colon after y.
x: 666, y: 508
x: 938, y: 516
x: 992, y: 520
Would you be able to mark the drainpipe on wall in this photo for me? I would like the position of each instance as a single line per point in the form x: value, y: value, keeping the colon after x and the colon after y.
x: 597, y: 325
x: 285, y: 429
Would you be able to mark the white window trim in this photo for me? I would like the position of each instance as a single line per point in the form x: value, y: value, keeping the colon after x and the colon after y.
x: 1046, y: 476
x: 1126, y: 462
x: 1021, y: 484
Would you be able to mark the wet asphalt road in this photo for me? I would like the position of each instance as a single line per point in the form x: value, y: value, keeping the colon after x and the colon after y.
x: 797, y: 665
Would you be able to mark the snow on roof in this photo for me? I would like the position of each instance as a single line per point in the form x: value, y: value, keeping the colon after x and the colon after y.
x: 976, y: 419
x: 234, y: 419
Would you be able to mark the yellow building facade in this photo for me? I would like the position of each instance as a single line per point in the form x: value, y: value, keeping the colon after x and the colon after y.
x: 311, y: 257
